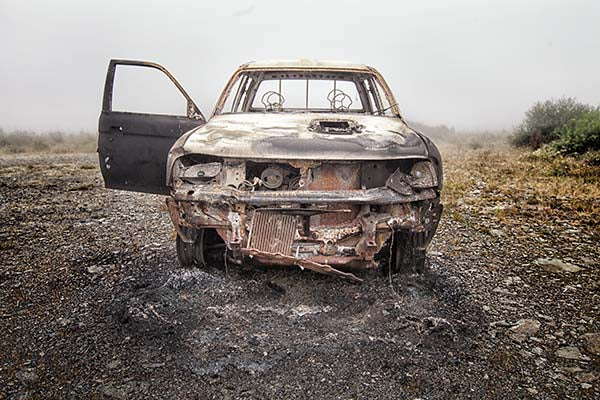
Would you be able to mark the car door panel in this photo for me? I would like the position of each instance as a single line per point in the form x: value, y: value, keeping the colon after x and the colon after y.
x: 133, y: 147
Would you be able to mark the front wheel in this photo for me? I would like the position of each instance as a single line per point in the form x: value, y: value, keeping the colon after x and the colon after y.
x: 186, y: 251
x: 206, y: 246
x: 408, y: 252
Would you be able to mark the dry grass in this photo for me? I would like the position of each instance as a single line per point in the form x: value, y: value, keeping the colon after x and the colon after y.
x: 51, y: 142
x: 517, y: 187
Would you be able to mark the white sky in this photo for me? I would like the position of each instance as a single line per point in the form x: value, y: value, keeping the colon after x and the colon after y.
x: 469, y: 64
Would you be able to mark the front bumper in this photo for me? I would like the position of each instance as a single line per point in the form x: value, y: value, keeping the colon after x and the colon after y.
x: 314, y: 229
x: 376, y: 196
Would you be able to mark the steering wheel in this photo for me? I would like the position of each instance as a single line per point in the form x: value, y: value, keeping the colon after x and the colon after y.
x: 338, y: 100
x: 272, y: 101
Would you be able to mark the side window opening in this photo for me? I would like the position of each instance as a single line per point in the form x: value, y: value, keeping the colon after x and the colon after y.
x: 236, y: 99
x: 144, y: 90
x: 233, y: 94
x: 379, y: 102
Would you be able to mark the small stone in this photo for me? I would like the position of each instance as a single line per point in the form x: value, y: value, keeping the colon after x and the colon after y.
x: 570, y: 352
x: 110, y: 390
x: 532, y: 390
x: 540, y: 361
x: 556, y: 266
x: 94, y: 269
x: 586, y: 386
x: 572, y: 370
x: 546, y: 318
x: 113, y: 364
x: 592, y: 343
x: 560, y: 377
x: 502, y: 322
x: 512, y: 280
x: 496, y: 232
x: 538, y: 350
x: 502, y: 291
x: 524, y: 329
x: 27, y: 376
x: 525, y: 353
x: 588, y: 377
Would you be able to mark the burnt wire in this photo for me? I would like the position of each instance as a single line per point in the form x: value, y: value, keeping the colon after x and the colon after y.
x: 390, y: 261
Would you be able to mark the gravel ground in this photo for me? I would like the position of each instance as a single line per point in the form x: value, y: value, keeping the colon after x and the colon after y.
x: 93, y: 305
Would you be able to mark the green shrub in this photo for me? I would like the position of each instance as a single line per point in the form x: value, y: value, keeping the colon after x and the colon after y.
x: 544, y: 119
x: 579, y: 135
x: 545, y: 153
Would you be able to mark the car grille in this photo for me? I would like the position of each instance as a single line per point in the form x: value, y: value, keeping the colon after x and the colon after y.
x: 272, y: 232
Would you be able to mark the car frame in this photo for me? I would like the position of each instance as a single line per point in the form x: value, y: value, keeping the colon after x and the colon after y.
x: 331, y: 190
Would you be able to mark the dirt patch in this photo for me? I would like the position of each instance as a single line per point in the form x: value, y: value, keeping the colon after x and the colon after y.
x: 93, y: 305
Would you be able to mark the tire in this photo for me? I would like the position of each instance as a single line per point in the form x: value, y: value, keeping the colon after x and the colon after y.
x: 186, y: 252
x: 206, y: 242
x: 408, y: 253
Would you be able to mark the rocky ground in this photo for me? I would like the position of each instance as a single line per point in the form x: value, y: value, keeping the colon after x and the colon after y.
x: 93, y: 305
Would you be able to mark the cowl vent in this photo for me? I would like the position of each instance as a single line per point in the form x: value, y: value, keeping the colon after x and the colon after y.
x: 335, y: 126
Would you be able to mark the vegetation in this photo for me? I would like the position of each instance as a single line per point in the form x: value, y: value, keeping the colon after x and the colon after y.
x: 520, y: 188
x: 21, y: 141
x: 579, y: 135
x: 543, y: 122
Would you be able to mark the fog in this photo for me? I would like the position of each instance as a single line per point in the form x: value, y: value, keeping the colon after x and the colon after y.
x: 469, y: 64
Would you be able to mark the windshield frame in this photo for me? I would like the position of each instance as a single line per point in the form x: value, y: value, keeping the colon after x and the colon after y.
x: 369, y: 74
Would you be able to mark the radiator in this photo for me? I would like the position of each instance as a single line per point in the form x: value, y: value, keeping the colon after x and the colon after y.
x: 272, y: 232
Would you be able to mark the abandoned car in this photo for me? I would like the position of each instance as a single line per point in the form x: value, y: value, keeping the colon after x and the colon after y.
x: 302, y: 163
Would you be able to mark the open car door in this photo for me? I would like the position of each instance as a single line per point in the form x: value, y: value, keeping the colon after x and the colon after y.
x: 133, y: 146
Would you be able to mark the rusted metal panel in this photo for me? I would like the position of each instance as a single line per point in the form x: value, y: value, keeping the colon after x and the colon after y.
x: 336, y: 177
x: 376, y: 196
x: 400, y: 183
x: 333, y: 176
x: 289, y: 260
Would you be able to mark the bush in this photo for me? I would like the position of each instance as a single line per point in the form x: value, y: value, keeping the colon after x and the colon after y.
x: 543, y: 120
x: 579, y: 135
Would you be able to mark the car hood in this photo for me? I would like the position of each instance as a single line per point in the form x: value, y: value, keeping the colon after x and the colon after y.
x: 287, y: 136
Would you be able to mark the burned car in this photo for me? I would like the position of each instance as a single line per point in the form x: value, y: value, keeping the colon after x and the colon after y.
x: 301, y: 163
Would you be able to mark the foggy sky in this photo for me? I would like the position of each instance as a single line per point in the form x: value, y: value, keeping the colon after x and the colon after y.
x: 469, y: 64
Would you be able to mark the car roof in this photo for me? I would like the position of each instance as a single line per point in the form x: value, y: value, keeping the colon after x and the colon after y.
x: 306, y: 64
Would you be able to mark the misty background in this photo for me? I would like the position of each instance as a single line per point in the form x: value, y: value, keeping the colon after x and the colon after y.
x: 468, y: 64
